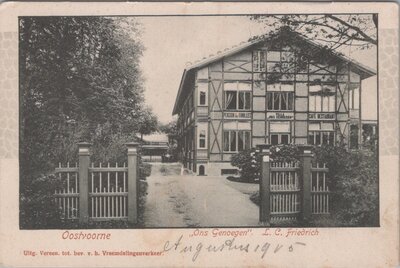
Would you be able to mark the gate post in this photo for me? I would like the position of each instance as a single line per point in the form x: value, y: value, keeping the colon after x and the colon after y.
x: 132, y: 181
x: 306, y: 170
x: 265, y: 216
x: 84, y: 162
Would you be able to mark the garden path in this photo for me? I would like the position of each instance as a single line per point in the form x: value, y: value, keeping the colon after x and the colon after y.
x: 176, y: 200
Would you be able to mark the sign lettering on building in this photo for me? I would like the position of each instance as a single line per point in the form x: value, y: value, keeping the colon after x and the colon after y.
x: 280, y: 115
x: 321, y: 116
x: 246, y: 115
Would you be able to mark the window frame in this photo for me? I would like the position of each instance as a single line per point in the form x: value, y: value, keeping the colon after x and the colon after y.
x: 200, y: 98
x: 289, y: 95
x: 320, y: 132
x: 237, y: 95
x: 202, y: 88
x: 321, y: 98
x: 321, y: 137
x: 200, y: 139
x: 236, y: 138
x: 259, y: 60
x: 279, y: 135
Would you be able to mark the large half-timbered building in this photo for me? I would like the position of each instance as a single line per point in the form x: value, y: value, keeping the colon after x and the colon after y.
x: 278, y: 89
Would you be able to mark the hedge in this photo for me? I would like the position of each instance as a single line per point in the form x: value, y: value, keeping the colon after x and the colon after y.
x: 353, y: 180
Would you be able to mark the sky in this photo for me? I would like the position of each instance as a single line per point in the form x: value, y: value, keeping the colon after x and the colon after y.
x: 171, y: 42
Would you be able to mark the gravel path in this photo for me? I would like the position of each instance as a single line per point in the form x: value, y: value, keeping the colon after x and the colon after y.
x: 176, y: 200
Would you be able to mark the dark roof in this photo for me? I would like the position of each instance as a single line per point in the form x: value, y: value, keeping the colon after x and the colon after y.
x: 188, y: 72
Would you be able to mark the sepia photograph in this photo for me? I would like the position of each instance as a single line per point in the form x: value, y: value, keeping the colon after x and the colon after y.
x: 198, y: 121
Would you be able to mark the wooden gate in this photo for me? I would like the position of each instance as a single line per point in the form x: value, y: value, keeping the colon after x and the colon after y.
x: 108, y: 192
x: 99, y: 192
x: 292, y: 191
x: 284, y: 196
x: 319, y: 189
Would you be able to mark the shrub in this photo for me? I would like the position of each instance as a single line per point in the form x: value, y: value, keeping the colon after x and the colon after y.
x: 247, y: 164
x: 145, y: 170
x: 37, y: 205
x: 285, y: 153
x: 353, y: 183
x: 353, y: 180
x: 248, y: 161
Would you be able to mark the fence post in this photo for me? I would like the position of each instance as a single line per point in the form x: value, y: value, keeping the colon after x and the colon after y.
x: 306, y: 167
x: 265, y: 216
x: 132, y: 181
x: 84, y: 162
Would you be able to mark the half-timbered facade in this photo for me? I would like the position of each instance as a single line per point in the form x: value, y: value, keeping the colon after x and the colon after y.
x: 278, y: 90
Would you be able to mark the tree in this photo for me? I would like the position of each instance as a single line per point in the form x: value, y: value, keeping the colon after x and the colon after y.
x: 333, y: 31
x: 172, y: 131
x: 80, y: 79
x: 147, y: 122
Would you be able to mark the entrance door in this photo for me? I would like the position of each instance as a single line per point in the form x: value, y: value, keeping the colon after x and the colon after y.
x: 201, y: 170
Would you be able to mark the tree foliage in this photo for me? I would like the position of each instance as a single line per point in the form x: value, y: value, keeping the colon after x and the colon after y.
x: 353, y: 183
x: 80, y: 80
x: 248, y: 161
x: 248, y: 165
x: 172, y: 131
x: 332, y: 31
x: 147, y: 122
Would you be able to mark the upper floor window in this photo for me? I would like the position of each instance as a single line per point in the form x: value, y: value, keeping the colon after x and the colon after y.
x: 202, y: 139
x: 322, y: 98
x: 280, y: 96
x: 202, y: 89
x: 237, y: 96
x: 280, y: 101
x: 236, y: 100
x: 259, y: 61
x: 202, y: 98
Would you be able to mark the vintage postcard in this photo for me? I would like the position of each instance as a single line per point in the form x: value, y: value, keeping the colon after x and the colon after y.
x: 199, y: 134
